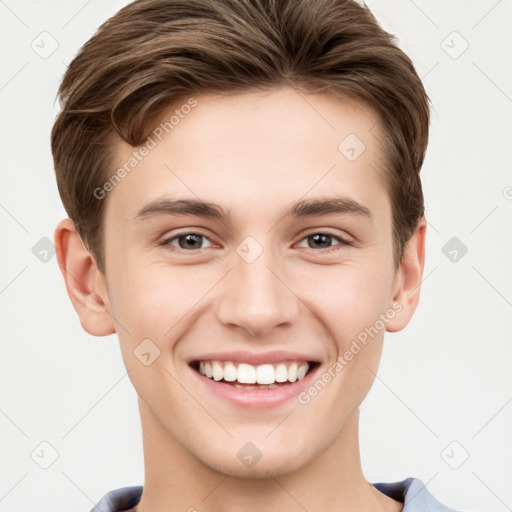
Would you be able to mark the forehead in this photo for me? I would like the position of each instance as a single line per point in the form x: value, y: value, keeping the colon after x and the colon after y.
x: 237, y: 149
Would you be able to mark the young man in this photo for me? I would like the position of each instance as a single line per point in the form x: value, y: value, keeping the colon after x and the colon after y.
x: 246, y: 213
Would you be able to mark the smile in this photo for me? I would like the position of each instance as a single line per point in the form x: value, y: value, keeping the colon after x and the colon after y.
x: 254, y: 381
x: 245, y: 375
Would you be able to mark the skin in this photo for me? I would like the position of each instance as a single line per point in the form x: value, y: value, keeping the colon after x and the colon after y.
x: 254, y: 154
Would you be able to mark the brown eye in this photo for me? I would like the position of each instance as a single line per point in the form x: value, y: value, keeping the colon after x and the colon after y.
x: 323, y: 241
x: 319, y: 240
x: 187, y: 241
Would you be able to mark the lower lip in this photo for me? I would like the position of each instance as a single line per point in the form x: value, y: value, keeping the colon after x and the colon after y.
x: 256, y: 398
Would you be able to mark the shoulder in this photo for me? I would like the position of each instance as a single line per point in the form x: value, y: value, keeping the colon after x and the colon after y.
x: 123, y: 499
x: 414, y: 494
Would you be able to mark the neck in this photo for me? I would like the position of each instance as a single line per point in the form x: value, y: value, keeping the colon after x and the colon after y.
x: 176, y: 480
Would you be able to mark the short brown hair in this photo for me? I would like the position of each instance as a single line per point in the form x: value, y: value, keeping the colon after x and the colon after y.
x: 153, y: 52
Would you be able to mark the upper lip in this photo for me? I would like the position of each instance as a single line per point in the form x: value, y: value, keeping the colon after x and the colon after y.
x: 254, y: 358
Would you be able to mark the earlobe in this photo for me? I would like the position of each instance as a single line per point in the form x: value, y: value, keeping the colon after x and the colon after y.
x: 409, y: 279
x: 82, y: 279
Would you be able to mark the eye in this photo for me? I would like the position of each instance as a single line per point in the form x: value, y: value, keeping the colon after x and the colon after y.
x: 323, y: 241
x: 187, y: 241
x: 195, y: 241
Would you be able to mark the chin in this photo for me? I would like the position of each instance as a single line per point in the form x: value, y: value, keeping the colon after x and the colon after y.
x: 276, y: 466
x: 260, y: 471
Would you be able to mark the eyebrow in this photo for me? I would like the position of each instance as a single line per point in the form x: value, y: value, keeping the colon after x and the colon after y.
x: 305, y: 208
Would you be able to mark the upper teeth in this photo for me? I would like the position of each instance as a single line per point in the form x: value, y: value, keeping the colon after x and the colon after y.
x: 249, y: 374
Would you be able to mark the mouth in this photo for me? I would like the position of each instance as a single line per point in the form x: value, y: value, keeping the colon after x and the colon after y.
x: 266, y: 383
x: 248, y: 376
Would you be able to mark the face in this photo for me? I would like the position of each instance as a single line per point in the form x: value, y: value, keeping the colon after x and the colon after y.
x: 246, y: 255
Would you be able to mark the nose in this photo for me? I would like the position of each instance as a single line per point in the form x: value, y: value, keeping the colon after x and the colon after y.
x: 256, y: 298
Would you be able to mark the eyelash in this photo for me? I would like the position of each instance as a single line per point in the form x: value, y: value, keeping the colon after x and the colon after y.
x: 343, y: 241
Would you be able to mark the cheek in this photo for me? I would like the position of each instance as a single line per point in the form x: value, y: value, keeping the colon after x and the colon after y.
x: 155, y: 301
x: 348, y: 304
x: 349, y: 299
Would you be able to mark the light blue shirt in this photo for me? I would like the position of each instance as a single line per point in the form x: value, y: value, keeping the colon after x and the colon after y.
x: 411, y: 492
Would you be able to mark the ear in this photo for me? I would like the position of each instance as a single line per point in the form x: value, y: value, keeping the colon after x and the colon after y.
x: 408, y: 279
x: 85, y: 284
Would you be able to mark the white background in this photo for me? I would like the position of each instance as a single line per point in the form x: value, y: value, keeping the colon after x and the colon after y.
x: 445, y: 379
